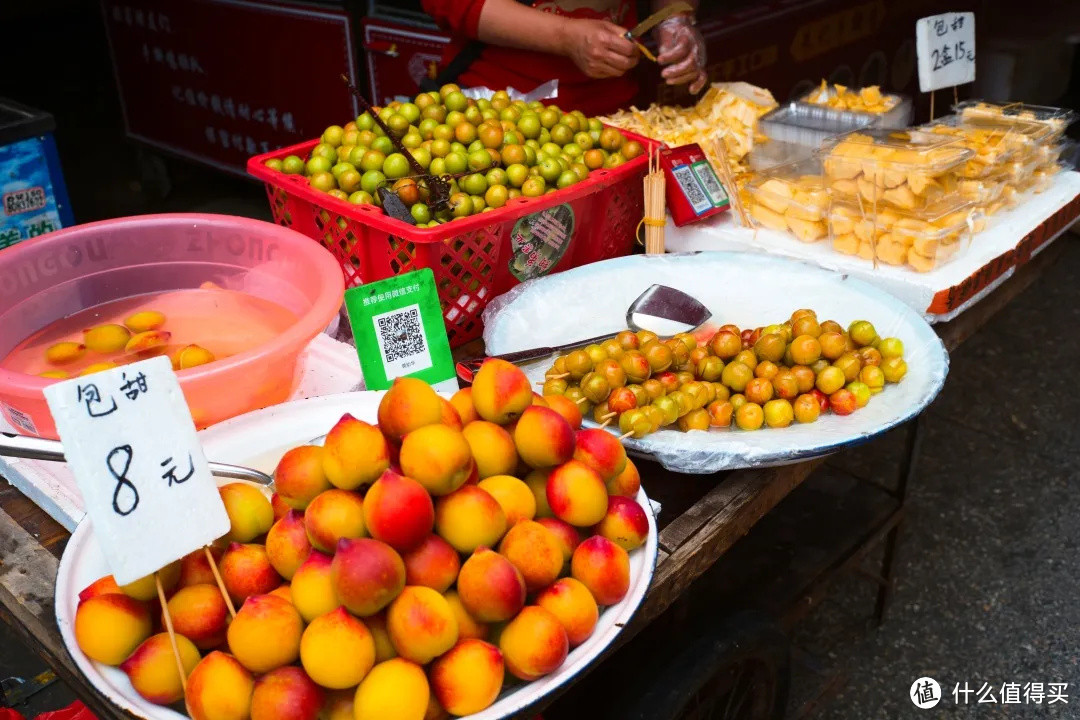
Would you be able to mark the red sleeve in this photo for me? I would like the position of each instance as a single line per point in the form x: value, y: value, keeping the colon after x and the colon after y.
x: 461, y: 17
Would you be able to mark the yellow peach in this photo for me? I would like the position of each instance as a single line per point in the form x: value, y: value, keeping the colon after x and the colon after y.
x: 337, y: 650
x: 312, y: 588
x: 199, y: 613
x: 286, y: 694
x: 469, y: 678
x: 544, y: 438
x: 533, y: 644
x: 492, y: 447
x: 501, y: 391
x: 409, y: 404
x: 394, y: 690
x: 491, y: 588
x: 265, y: 634
x: 577, y: 494
x: 219, y: 688
x: 463, y: 404
x: 421, y: 624
x: 246, y: 571
x: 332, y: 515
x: 355, y: 453
x: 574, y: 607
x: 287, y: 544
x: 535, y: 552
x: 250, y: 514
x: 145, y: 588
x: 438, y: 457
x: 300, y: 476
x: 109, y: 627
x: 513, y: 496
x: 152, y: 668
x: 469, y: 518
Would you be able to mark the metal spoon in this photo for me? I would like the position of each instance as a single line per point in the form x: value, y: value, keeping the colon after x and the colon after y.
x: 32, y: 448
x: 664, y: 309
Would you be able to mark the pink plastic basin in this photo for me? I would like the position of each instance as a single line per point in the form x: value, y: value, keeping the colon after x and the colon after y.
x: 63, y: 272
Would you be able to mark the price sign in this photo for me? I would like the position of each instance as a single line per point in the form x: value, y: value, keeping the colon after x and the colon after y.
x: 399, y: 330
x: 945, y: 45
x: 131, y: 445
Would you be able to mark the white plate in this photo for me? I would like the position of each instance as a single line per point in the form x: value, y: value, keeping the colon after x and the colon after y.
x: 745, y: 289
x: 259, y: 439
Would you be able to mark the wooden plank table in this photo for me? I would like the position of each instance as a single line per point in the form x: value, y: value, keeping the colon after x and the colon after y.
x: 702, y: 517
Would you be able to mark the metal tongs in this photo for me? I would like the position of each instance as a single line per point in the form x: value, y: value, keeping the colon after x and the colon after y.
x: 33, y: 448
x: 659, y: 301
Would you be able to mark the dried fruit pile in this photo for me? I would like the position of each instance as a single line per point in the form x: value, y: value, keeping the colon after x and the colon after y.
x: 772, y: 376
x: 400, y: 570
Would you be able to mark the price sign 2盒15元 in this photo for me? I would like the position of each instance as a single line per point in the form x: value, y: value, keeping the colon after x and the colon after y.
x: 146, y: 485
x: 945, y: 46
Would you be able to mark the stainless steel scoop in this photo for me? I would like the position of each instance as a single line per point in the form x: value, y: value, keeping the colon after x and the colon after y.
x: 32, y: 448
x: 661, y: 309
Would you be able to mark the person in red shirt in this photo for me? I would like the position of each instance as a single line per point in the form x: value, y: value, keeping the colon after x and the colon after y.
x: 525, y: 43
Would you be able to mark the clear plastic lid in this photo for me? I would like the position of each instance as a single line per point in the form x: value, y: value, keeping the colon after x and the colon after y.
x: 895, y: 150
x: 982, y: 190
x: 994, y: 142
x: 1056, y: 118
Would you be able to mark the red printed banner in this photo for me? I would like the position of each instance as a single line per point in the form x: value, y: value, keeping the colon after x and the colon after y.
x: 218, y: 81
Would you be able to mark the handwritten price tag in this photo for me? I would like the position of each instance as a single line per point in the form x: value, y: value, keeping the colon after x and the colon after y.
x: 131, y: 445
x: 945, y: 45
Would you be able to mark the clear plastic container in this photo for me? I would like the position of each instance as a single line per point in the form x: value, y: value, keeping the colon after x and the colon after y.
x: 920, y: 240
x: 994, y: 143
x: 1056, y: 119
x: 59, y: 274
x: 885, y: 110
x: 791, y: 198
x: 806, y: 125
x: 908, y: 170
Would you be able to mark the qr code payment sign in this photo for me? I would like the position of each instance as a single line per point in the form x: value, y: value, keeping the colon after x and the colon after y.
x: 402, y: 342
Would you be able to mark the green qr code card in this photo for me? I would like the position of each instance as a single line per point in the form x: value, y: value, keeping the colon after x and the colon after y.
x: 399, y: 331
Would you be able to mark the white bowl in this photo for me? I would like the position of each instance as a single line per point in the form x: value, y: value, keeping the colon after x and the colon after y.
x: 259, y: 439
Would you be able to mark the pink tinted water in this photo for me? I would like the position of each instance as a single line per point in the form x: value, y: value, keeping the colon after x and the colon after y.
x: 225, y: 322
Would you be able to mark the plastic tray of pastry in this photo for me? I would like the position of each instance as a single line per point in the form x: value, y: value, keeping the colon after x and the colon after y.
x: 884, y: 110
x: 921, y: 240
x: 1057, y: 119
x: 909, y: 170
x: 791, y: 198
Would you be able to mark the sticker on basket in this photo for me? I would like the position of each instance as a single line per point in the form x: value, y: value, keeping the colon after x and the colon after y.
x: 19, y: 420
x: 399, y: 330
x: 539, y: 241
x: 945, y: 46
x: 131, y: 445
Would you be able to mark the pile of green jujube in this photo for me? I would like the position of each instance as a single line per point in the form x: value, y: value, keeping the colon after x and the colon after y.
x: 492, y: 150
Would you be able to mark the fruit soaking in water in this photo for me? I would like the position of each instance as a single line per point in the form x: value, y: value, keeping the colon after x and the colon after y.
x: 193, y: 327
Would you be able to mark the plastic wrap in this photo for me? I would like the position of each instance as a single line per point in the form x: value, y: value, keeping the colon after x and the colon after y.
x: 546, y: 91
x: 745, y: 289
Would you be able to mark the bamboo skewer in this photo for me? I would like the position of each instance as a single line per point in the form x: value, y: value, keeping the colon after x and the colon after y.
x: 220, y: 582
x: 172, y: 633
x: 728, y: 181
x: 655, y: 205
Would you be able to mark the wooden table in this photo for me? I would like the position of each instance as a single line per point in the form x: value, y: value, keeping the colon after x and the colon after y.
x: 702, y: 517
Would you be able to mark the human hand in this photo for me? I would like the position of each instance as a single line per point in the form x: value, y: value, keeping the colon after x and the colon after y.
x: 682, y: 50
x: 599, y: 47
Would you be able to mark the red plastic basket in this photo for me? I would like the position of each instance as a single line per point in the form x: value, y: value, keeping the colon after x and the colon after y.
x: 474, y: 259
